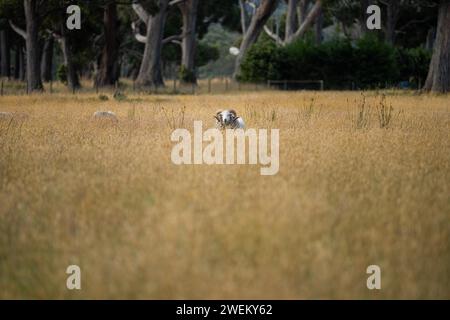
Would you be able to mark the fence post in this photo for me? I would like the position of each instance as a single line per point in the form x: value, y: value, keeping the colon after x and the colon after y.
x: 193, y: 88
x: 321, y: 85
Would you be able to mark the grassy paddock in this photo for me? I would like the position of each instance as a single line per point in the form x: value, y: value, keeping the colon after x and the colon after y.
x: 360, y: 183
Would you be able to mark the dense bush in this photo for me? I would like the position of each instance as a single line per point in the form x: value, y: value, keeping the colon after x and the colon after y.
x: 61, y: 73
x: 365, y: 63
x: 263, y: 61
x: 375, y: 63
x: 413, y: 64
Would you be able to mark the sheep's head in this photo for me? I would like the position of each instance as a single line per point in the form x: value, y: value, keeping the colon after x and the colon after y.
x: 226, y: 117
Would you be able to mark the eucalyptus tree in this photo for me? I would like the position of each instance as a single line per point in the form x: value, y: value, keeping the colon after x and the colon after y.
x: 438, y: 79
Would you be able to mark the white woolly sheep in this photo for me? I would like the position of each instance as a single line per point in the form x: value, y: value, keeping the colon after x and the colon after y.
x: 105, y: 115
x: 228, y: 119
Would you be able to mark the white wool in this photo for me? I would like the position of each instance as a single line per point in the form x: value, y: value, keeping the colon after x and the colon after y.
x: 105, y: 115
x: 239, y: 123
x: 228, y: 119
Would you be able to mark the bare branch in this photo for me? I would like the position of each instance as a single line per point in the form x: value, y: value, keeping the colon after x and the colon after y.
x: 139, y: 37
x: 272, y: 35
x: 310, y: 18
x: 141, y: 12
x: 243, y: 16
x: 174, y: 2
x: 19, y: 31
x: 174, y: 39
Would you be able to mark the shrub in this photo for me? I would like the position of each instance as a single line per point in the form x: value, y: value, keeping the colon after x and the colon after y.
x: 187, y: 75
x: 205, y: 54
x: 413, y: 64
x: 375, y: 63
x: 263, y: 61
x: 61, y: 73
x: 368, y: 63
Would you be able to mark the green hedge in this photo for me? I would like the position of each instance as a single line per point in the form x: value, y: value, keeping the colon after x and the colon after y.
x: 366, y: 63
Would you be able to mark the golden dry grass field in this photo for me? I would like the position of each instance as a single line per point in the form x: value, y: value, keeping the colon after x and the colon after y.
x: 108, y: 198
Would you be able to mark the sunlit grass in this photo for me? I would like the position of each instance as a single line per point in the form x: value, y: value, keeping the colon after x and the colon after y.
x: 351, y: 191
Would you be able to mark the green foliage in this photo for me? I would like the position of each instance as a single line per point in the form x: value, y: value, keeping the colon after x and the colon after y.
x: 367, y: 63
x: 187, y: 75
x: 205, y: 53
x: 375, y: 63
x: 119, y: 96
x: 222, y: 39
x: 413, y: 64
x: 61, y: 73
x: 263, y: 61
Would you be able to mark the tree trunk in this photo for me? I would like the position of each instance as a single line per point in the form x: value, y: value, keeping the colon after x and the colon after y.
x: 22, y: 63
x: 393, y: 9
x: 363, y: 16
x: 189, y: 12
x: 318, y: 28
x: 302, y: 10
x: 259, y: 19
x: 47, y: 60
x: 108, y: 71
x: 32, y: 46
x: 431, y: 35
x: 307, y: 21
x: 150, y: 73
x: 72, y: 76
x: 291, y: 18
x: 438, y: 79
x: 17, y: 53
x: 243, y: 16
x: 5, y: 54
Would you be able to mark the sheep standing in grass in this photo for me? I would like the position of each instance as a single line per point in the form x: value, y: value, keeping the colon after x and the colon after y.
x: 228, y: 119
x: 105, y: 115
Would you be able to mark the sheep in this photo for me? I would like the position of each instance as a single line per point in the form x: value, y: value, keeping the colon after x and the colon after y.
x: 105, y: 115
x: 228, y: 119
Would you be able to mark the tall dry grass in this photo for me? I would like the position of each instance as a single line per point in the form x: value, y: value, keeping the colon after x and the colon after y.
x: 352, y: 191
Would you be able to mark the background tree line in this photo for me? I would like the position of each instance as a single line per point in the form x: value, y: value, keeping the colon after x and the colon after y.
x: 277, y: 39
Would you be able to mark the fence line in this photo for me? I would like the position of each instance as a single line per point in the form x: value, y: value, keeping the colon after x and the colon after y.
x: 203, y: 86
x: 284, y: 84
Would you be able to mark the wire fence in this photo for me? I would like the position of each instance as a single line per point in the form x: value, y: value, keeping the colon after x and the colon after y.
x: 296, y: 84
x: 174, y: 87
